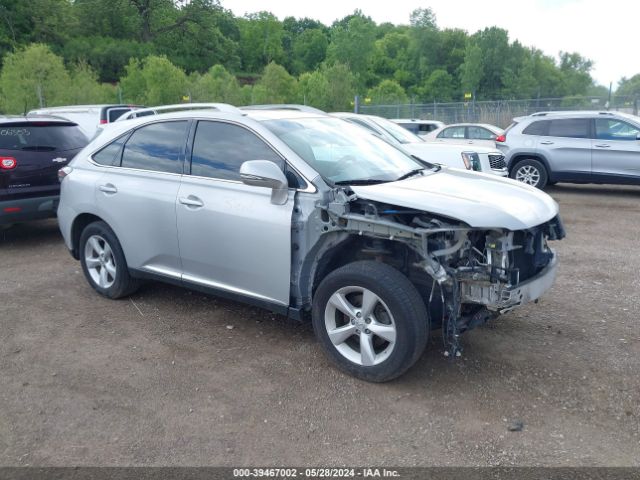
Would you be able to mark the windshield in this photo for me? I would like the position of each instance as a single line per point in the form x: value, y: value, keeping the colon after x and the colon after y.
x: 341, y: 152
x: 401, y: 134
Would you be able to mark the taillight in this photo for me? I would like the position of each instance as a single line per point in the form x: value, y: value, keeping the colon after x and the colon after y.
x: 7, y: 163
x: 63, y: 172
x: 103, y: 121
x: 501, y: 138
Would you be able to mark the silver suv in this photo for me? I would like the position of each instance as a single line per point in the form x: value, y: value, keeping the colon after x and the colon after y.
x: 311, y: 217
x: 577, y: 147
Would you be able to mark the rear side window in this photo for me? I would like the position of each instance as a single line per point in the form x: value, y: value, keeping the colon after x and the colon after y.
x: 570, y: 127
x: 156, y: 147
x: 41, y: 137
x: 452, y: 132
x: 536, y: 128
x: 115, y: 113
x: 219, y: 149
x: 110, y: 155
x: 411, y: 127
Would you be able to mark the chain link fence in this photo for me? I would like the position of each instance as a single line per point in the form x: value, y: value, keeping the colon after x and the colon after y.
x: 499, y: 112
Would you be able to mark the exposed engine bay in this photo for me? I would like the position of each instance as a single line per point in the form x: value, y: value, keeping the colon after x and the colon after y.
x: 465, y: 275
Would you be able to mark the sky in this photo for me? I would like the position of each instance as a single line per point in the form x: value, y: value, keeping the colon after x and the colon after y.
x: 605, y: 31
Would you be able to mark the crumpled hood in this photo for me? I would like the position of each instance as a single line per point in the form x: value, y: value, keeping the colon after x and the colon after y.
x: 479, y: 200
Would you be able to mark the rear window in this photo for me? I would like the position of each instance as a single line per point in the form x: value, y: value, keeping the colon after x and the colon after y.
x: 41, y: 137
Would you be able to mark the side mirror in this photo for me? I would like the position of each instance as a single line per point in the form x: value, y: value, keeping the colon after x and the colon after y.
x: 638, y: 137
x: 264, y: 173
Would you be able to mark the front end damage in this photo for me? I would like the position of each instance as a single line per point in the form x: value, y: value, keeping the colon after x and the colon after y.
x: 466, y: 275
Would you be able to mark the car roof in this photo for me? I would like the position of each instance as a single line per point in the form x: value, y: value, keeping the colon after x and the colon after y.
x: 266, y: 114
x: 576, y: 114
x: 469, y: 124
x: 415, y: 120
x: 34, y: 119
x: 80, y: 108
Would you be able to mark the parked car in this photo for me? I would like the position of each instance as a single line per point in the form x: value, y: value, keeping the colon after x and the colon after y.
x: 482, y: 134
x: 418, y: 126
x: 31, y: 153
x: 88, y: 117
x: 576, y: 147
x: 308, y: 216
x: 478, y: 158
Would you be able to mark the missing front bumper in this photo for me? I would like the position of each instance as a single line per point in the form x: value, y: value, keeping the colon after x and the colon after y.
x: 502, y: 298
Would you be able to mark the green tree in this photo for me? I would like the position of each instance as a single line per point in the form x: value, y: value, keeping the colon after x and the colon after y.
x: 439, y: 87
x: 154, y: 81
x: 472, y: 69
x: 330, y: 88
x: 85, y: 88
x: 275, y: 86
x: 387, y: 92
x: 217, y: 85
x: 352, y: 45
x: 629, y: 86
x: 576, y: 71
x: 261, y: 37
x: 309, y: 50
x: 33, y: 77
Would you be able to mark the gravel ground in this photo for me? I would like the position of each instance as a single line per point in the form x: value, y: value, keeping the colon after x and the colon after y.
x: 173, y: 377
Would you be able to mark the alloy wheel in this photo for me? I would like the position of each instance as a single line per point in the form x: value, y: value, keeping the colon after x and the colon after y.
x: 360, y: 326
x: 100, y: 262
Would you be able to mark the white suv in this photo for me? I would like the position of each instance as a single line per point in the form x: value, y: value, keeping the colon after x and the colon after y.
x: 475, y: 157
x: 310, y: 217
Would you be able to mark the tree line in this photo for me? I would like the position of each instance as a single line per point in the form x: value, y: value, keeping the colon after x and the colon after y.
x: 166, y: 51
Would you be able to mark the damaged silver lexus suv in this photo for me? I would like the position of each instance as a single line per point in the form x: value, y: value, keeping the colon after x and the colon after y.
x: 310, y: 217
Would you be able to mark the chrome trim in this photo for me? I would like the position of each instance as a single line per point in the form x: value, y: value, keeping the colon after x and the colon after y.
x: 228, y: 288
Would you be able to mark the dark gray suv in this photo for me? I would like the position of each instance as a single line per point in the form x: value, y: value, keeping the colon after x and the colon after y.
x: 576, y: 147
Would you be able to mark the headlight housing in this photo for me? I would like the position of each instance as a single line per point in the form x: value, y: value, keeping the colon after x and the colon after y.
x: 471, y: 161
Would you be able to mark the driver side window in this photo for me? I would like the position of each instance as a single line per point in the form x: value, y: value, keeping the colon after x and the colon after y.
x: 219, y: 149
x: 613, y: 129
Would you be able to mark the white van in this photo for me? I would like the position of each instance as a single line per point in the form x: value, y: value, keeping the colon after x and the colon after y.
x: 88, y: 117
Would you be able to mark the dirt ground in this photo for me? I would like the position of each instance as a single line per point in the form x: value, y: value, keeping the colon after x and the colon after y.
x: 173, y: 377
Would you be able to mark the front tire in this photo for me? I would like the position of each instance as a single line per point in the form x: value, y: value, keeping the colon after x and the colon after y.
x: 530, y: 171
x: 103, y: 262
x: 370, y: 320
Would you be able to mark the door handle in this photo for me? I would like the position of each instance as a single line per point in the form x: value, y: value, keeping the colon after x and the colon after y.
x: 108, y: 188
x: 546, y: 142
x: 603, y: 145
x: 191, y: 201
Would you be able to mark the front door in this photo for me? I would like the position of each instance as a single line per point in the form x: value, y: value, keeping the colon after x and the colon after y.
x: 616, y: 151
x: 231, y: 236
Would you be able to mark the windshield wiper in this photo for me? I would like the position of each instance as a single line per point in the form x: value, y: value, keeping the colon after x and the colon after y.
x: 433, y: 166
x: 360, y: 181
x: 410, y: 174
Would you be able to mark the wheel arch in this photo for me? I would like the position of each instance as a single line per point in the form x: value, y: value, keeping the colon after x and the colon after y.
x: 78, y: 225
x: 336, y: 249
x: 517, y: 158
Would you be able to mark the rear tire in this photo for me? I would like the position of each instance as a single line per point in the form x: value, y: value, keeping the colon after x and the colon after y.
x: 530, y: 171
x: 103, y: 262
x: 370, y: 320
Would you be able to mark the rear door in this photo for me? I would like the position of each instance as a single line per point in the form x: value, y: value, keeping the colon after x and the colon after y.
x: 616, y: 150
x: 566, y: 145
x: 136, y: 194
x: 32, y: 154
x: 456, y: 135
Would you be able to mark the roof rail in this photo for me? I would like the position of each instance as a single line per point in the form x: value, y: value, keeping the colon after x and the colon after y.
x: 571, y: 112
x: 143, y: 112
x: 284, y: 106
